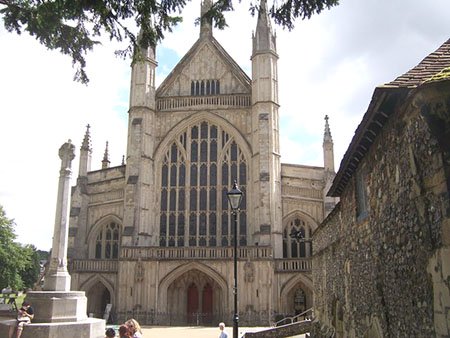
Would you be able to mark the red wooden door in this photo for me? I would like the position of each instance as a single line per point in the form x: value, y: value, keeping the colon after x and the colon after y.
x: 192, y: 304
x: 207, y: 304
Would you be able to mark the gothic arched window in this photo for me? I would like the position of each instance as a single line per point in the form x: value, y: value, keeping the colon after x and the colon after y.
x: 197, y: 171
x: 300, y: 245
x: 107, y: 242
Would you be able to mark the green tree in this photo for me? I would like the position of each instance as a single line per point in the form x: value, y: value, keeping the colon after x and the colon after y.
x: 12, y: 258
x: 74, y: 26
x: 32, y: 268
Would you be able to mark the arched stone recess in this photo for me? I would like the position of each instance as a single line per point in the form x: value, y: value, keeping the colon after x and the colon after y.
x: 301, y: 214
x: 97, y: 227
x: 180, y: 271
x: 199, y: 117
x: 99, y: 292
x: 289, y: 291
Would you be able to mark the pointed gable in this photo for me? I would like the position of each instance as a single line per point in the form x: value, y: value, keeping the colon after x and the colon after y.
x: 205, y: 61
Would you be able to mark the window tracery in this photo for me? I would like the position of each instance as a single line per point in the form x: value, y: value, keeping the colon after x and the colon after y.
x: 107, y: 242
x: 297, y: 248
x: 197, y: 171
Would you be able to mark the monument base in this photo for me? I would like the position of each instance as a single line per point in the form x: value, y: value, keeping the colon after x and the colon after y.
x: 88, y: 328
x: 58, y: 306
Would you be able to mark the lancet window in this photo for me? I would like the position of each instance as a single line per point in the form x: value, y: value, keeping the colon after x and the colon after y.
x: 205, y: 87
x: 197, y: 171
x: 107, y: 242
x: 300, y: 245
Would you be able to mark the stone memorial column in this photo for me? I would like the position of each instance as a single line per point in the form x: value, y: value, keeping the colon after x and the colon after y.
x: 58, y: 278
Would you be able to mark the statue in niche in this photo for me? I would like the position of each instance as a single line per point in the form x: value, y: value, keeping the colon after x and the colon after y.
x: 249, y: 272
x: 139, y: 272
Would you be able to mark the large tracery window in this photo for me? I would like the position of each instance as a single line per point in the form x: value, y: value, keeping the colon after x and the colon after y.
x: 107, y: 242
x: 300, y: 246
x: 197, y: 171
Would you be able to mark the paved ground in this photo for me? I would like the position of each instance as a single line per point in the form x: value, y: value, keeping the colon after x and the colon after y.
x: 184, y: 331
x: 194, y: 332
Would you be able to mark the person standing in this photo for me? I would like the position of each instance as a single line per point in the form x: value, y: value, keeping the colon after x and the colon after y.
x: 134, y: 327
x: 222, y: 334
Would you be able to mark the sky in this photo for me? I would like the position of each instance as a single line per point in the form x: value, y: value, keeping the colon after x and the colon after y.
x: 329, y: 64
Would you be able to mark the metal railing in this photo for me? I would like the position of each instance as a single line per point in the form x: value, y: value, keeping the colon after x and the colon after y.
x: 307, y: 315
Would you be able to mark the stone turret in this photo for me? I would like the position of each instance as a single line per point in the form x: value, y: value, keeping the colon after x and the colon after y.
x: 139, y: 170
x: 265, y: 134
x: 328, y: 152
x: 205, y: 23
x: 328, y: 164
x: 85, y: 154
x: 106, y: 162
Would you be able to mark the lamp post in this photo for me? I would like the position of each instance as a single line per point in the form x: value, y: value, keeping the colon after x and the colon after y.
x: 234, y: 198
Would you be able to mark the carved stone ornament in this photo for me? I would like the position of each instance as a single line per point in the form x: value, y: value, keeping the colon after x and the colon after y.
x: 139, y: 272
x: 249, y: 272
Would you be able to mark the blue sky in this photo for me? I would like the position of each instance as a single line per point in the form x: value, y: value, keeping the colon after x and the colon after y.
x: 328, y: 65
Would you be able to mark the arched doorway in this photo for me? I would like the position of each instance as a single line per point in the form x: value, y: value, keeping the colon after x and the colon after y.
x: 97, y: 298
x: 195, y: 298
x: 297, y: 299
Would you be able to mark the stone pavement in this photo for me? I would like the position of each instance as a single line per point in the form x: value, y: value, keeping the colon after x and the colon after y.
x: 194, y: 331
x: 191, y: 331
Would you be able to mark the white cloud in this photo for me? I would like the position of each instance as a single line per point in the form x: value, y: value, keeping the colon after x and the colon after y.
x: 328, y: 65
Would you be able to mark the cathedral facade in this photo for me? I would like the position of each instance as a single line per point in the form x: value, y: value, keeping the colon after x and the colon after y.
x: 154, y: 236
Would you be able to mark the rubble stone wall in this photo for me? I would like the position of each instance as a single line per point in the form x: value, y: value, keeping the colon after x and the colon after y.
x: 387, y: 275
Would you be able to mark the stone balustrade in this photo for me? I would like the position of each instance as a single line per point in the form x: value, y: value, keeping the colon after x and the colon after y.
x: 167, y: 253
x: 97, y: 265
x: 194, y: 102
x: 195, y: 253
x: 293, y: 264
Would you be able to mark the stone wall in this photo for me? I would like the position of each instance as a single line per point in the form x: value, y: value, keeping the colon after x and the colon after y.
x: 372, y: 276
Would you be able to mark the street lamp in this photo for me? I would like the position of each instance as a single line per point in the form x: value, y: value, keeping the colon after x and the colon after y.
x: 234, y: 197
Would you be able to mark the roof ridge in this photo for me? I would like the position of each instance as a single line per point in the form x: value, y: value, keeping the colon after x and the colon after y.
x: 432, y: 64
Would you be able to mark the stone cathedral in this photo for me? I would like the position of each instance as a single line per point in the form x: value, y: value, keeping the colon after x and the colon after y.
x: 154, y: 236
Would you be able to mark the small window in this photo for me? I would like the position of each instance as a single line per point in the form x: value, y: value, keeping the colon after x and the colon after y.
x: 205, y: 87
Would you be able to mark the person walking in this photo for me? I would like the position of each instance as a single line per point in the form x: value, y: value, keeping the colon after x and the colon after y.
x: 222, y: 334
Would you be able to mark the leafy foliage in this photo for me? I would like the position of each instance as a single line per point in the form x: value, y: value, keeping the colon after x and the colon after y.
x: 74, y: 27
x: 32, y: 269
x: 19, y: 266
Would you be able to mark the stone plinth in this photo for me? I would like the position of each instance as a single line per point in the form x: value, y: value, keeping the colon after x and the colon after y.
x: 87, y: 328
x: 57, y: 306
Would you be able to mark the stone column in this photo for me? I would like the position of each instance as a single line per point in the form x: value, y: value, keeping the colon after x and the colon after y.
x: 58, y: 278
x: 59, y: 312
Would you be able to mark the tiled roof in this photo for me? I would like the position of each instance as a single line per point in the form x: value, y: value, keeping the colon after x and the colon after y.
x: 428, y: 67
x: 382, y: 106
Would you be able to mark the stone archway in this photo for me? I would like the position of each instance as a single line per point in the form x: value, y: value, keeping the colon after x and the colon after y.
x: 98, y: 296
x: 296, y: 296
x: 194, y: 298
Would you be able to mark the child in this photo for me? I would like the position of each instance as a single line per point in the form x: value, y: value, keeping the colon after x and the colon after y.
x: 124, y: 331
x: 110, y: 333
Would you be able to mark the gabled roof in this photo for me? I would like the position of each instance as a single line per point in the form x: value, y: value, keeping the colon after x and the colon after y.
x: 431, y: 65
x: 224, y: 56
x: 382, y: 105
